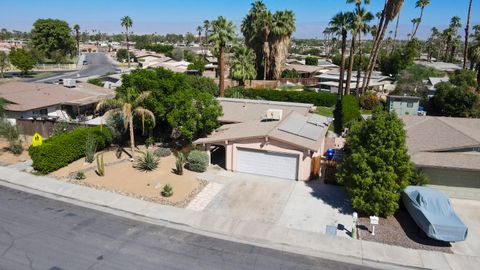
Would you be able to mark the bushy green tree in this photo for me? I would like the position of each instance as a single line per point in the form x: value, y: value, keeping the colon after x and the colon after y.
x: 376, y: 167
x: 183, y: 105
x: 4, y: 63
x: 198, y: 64
x: 453, y: 100
x: 22, y: 59
x: 290, y: 73
x: 52, y: 36
x: 463, y: 77
x: 400, y: 59
x: 346, y: 112
x: 122, y: 55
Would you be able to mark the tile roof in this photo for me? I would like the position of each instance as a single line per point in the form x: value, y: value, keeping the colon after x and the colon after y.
x: 432, y: 140
x: 273, y: 130
x: 22, y: 96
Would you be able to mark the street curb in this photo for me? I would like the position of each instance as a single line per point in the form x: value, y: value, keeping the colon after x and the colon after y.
x: 230, y: 236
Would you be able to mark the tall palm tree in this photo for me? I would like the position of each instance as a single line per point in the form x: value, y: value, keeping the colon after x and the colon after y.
x: 414, y: 21
x: 265, y: 23
x: 199, y: 31
x: 420, y: 4
x: 394, y: 45
x: 128, y: 106
x: 242, y: 66
x: 340, y: 25
x: 283, y: 26
x: 127, y: 23
x: 467, y: 33
x: 223, y: 33
x: 206, y: 28
x: 450, y: 34
x: 76, y: 27
x: 390, y: 11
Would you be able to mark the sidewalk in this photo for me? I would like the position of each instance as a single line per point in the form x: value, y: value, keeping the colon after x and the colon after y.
x: 257, y: 233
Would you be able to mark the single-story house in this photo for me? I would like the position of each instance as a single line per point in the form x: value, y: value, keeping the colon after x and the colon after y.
x: 328, y: 82
x: 51, y: 101
x: 447, y: 149
x: 431, y: 82
x: 278, y: 140
x: 443, y: 66
x: 403, y: 105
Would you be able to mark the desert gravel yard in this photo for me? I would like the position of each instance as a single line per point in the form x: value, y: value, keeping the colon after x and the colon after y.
x: 6, y: 157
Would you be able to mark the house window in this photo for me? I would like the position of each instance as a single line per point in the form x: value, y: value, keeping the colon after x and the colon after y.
x: 40, y: 112
x: 409, y: 104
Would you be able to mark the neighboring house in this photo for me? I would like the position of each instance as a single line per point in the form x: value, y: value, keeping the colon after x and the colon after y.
x: 403, y: 105
x: 328, y: 82
x: 112, y: 81
x: 447, y: 149
x: 443, y: 66
x: 431, y: 82
x: 307, y: 71
x: 274, y: 139
x: 43, y: 101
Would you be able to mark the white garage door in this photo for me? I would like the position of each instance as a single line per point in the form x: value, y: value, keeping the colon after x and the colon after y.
x: 267, y: 163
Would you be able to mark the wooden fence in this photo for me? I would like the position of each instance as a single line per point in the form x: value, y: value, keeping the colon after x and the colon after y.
x: 44, y: 127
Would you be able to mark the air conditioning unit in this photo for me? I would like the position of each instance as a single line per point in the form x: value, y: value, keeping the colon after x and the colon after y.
x: 274, y: 114
x: 70, y: 83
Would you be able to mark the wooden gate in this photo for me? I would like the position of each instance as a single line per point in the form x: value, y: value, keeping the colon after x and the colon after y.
x: 315, y: 168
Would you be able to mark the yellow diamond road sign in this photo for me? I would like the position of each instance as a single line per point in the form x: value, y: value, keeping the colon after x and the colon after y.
x: 36, y: 140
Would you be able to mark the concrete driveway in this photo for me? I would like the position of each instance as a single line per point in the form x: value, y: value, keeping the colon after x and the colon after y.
x: 468, y: 210
x: 308, y: 206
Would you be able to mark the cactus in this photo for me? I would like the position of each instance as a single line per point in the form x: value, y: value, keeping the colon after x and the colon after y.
x: 100, y: 165
x: 167, y: 190
x: 179, y: 163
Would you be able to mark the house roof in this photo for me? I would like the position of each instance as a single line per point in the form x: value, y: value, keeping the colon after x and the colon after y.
x: 402, y: 97
x: 304, y: 68
x: 432, y: 140
x: 22, y: 96
x: 302, y: 131
x: 246, y: 110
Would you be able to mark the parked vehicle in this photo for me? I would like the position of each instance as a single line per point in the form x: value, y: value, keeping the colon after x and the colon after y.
x: 434, y: 214
x: 85, y: 62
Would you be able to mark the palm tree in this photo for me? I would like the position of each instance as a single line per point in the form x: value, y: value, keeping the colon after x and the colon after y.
x: 390, y: 11
x: 206, y: 28
x: 242, y: 66
x: 199, y: 30
x: 128, y: 106
x: 420, y: 4
x: 450, y: 33
x: 223, y: 33
x: 76, y: 27
x: 265, y: 22
x: 364, y: 18
x: 126, y: 22
x: 283, y: 26
x: 340, y: 25
x: 396, y: 32
x: 467, y: 33
x: 414, y: 21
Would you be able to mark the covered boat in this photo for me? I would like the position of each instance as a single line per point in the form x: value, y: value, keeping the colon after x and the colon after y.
x: 434, y: 214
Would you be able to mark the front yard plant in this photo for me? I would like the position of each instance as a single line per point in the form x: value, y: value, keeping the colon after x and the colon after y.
x: 147, y: 162
x: 167, y: 190
x: 162, y: 152
x: 90, y: 148
x: 179, y: 163
x: 11, y: 132
x: 59, y: 151
x: 80, y: 175
x: 100, y: 165
x: 376, y: 167
x: 197, y: 161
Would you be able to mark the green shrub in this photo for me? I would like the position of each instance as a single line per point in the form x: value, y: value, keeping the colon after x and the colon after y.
x: 100, y: 165
x: 346, y: 111
x: 369, y: 101
x: 59, y: 128
x: 96, y: 81
x: 197, y: 161
x: 90, y: 148
x: 147, y: 162
x: 149, y: 142
x: 167, y: 190
x: 80, y: 175
x: 59, y: 151
x: 162, y: 152
x: 317, y: 99
x: 15, y: 147
x: 419, y: 178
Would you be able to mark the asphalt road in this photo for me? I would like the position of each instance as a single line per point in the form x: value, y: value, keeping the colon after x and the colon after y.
x: 41, y: 233
x: 98, y: 65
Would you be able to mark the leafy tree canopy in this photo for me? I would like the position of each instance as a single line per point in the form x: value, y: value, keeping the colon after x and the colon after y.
x: 22, y: 59
x: 376, y: 167
x: 453, y: 100
x: 311, y: 61
x: 51, y: 36
x: 183, y: 105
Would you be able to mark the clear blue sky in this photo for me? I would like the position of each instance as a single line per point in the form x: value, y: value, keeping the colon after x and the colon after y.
x: 181, y: 16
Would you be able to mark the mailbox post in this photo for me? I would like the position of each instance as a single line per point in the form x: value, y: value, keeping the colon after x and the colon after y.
x: 373, y: 221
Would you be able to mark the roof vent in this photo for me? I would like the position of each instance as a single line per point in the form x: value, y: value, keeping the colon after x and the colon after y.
x: 69, y: 83
x: 274, y: 114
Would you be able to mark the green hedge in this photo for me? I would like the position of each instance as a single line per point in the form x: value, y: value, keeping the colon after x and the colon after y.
x: 345, y: 112
x: 59, y: 151
x: 318, y: 99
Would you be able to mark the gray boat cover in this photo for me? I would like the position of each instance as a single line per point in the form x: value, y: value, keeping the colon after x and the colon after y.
x: 434, y: 214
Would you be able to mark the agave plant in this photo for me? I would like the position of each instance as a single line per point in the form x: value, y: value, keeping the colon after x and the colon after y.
x: 147, y: 162
x: 167, y: 190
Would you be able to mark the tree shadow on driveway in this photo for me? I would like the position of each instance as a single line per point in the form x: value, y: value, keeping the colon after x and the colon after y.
x: 335, y: 196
